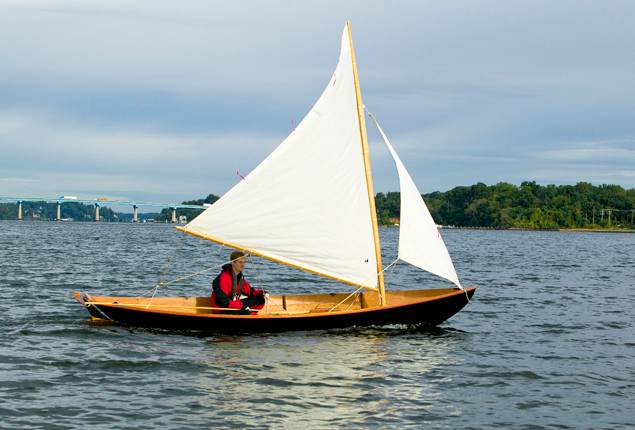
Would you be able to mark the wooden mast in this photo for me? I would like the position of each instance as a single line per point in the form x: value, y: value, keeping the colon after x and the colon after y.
x: 369, y: 176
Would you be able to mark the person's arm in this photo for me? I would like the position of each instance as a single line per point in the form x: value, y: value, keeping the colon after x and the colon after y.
x: 250, y: 291
x: 223, y: 294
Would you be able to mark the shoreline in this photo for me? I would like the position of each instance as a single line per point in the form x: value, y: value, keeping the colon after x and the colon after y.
x: 563, y: 230
x: 596, y: 230
x: 443, y: 227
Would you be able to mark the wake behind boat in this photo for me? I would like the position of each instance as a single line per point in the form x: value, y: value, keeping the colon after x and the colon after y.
x: 280, y: 211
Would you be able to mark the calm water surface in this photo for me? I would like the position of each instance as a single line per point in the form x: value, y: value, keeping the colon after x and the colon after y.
x: 547, y: 342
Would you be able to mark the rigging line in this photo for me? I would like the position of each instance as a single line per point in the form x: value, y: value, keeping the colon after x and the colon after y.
x: 88, y: 303
x: 163, y: 284
x: 357, y: 290
x: 161, y: 277
x: 390, y: 265
x: 351, y: 304
x: 256, y: 272
x: 202, y: 271
x: 193, y: 274
x: 166, y: 266
x: 347, y: 297
x: 163, y: 271
x: 153, y: 294
x: 257, y: 265
x: 106, y: 317
x: 467, y: 296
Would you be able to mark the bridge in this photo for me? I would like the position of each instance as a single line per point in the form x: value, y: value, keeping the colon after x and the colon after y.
x: 98, y: 202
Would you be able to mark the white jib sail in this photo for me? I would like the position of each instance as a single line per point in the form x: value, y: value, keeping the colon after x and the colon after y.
x: 420, y: 241
x: 306, y: 204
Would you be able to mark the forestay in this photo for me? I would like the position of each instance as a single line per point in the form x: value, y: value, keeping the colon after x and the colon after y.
x: 306, y: 204
x: 420, y: 242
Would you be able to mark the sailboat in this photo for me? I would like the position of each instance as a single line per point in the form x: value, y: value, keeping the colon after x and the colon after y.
x: 310, y: 205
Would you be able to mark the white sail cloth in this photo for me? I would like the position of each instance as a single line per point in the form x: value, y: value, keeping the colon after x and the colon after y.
x: 307, y: 204
x: 420, y: 242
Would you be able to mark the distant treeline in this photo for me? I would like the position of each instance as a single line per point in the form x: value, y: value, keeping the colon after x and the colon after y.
x: 529, y: 206
x: 503, y: 205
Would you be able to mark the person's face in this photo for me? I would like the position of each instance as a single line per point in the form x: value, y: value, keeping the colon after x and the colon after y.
x: 238, y: 265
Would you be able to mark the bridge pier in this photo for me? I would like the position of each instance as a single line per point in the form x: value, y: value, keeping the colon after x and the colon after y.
x: 135, y: 213
x: 58, y: 217
x: 173, y: 215
x: 19, y: 211
x: 96, y: 212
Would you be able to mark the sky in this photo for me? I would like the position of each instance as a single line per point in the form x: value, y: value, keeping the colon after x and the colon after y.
x: 166, y: 101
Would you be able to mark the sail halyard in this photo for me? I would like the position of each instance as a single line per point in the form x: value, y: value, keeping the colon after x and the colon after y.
x: 367, y: 169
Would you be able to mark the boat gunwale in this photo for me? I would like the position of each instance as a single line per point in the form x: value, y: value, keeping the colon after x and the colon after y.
x: 142, y: 309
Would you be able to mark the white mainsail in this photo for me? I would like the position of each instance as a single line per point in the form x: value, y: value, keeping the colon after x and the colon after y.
x: 306, y: 204
x: 420, y: 242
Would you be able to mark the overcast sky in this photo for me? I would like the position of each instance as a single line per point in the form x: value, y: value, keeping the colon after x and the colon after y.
x: 165, y: 101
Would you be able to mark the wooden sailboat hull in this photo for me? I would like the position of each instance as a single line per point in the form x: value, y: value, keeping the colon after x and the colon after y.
x: 430, y: 307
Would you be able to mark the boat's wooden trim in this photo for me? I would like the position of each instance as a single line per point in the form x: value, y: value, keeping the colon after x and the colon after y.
x: 150, y: 305
x: 269, y: 257
x: 400, y: 299
x: 367, y: 169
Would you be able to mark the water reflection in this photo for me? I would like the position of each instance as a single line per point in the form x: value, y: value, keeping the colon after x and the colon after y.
x: 342, y: 376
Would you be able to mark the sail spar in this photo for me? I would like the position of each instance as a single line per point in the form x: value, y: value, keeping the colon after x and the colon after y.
x: 306, y: 205
x: 420, y: 242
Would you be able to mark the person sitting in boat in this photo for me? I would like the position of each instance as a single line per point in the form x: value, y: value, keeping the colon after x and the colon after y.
x: 231, y: 290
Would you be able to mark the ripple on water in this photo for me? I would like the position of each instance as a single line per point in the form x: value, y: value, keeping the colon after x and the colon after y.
x: 547, y: 341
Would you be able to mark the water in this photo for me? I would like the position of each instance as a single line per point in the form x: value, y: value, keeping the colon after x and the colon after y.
x: 548, y: 341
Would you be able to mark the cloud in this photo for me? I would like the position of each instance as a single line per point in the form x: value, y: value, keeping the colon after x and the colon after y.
x: 13, y: 179
x: 617, y: 150
x: 153, y: 97
x: 54, y: 157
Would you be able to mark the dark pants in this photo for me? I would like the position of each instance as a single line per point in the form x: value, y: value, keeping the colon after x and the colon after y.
x: 248, y: 303
x: 253, y: 301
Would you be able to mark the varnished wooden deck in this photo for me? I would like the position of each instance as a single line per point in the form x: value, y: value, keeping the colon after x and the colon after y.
x: 278, y: 305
